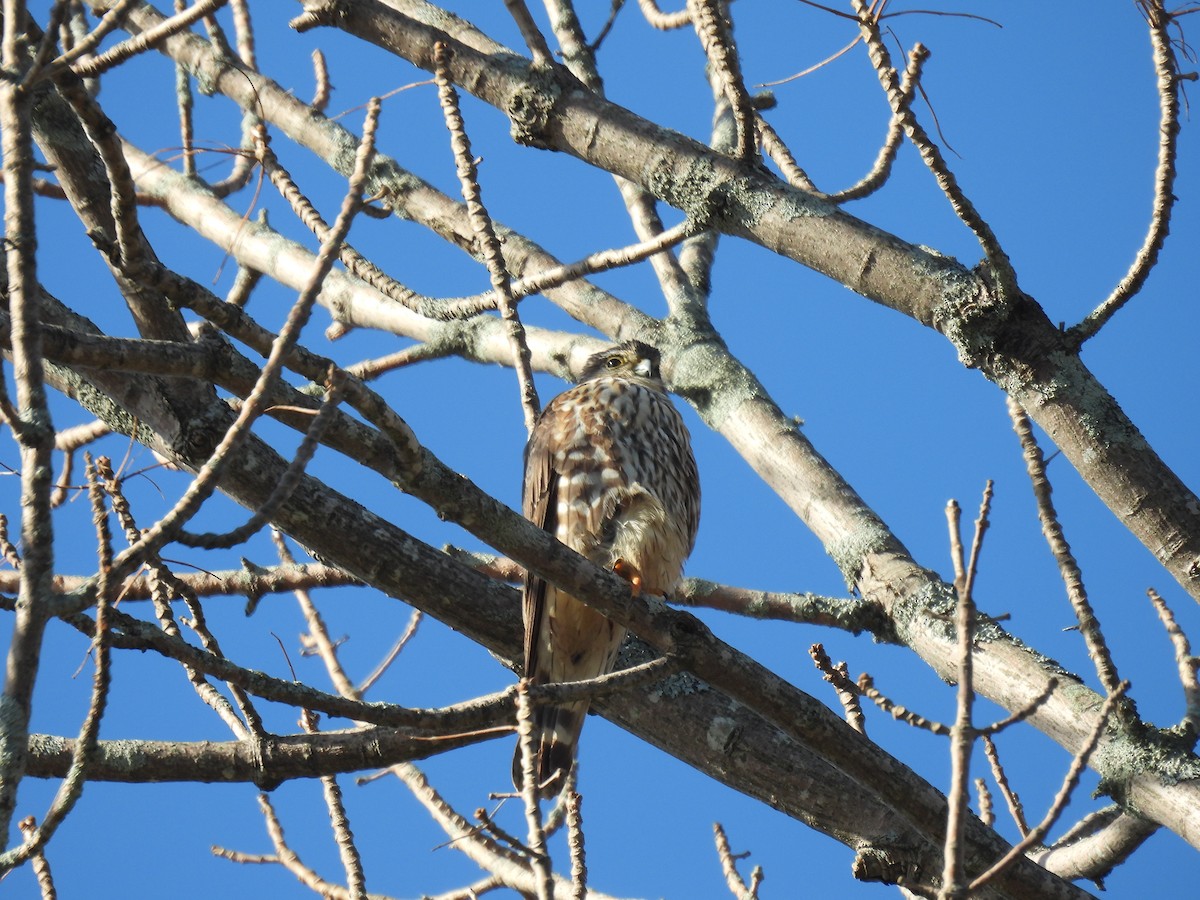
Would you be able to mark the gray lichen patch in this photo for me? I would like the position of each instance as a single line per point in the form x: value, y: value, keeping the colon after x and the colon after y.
x: 850, y: 551
x: 1124, y: 758
x: 966, y: 313
x: 715, y: 383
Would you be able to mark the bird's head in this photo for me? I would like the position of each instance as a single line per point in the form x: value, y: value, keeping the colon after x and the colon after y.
x: 632, y: 359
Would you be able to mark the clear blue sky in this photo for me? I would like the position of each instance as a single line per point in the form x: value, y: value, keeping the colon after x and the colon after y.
x: 1054, y: 122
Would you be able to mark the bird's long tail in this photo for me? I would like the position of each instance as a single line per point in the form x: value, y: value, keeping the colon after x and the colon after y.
x: 555, y: 736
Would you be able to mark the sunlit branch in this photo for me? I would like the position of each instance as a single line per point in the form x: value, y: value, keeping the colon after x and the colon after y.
x: 485, y: 233
x: 1166, y: 67
x: 1089, y: 625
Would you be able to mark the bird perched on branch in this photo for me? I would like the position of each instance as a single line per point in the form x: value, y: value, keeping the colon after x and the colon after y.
x: 609, y: 472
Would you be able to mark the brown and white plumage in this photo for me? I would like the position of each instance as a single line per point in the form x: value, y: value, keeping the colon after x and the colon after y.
x: 609, y: 471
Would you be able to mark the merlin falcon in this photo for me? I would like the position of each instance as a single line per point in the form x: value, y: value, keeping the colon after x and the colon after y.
x: 609, y: 472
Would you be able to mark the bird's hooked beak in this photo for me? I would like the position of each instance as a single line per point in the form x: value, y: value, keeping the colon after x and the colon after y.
x: 642, y: 368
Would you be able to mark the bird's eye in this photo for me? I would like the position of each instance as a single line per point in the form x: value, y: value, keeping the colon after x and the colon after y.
x: 612, y: 362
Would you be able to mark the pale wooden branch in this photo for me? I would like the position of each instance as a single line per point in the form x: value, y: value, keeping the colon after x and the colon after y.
x: 962, y: 733
x: 1096, y: 845
x: 986, y: 815
x: 575, y: 844
x: 1187, y: 664
x: 321, y: 92
x: 401, y: 642
x: 639, y: 203
x: 1166, y: 68
x: 251, y: 581
x: 41, y: 866
x: 539, y: 859
x: 501, y: 862
x: 288, y: 858
x: 143, y: 42
x: 715, y: 30
x: 661, y: 20
x: 29, y: 418
x: 847, y: 614
x: 847, y: 691
x: 779, y: 154
x: 1070, y: 781
x: 882, y: 167
x: 348, y: 851
x: 82, y: 46
x: 206, y: 480
x: 288, y: 756
x: 534, y: 39
x: 1089, y: 625
x: 930, y: 152
x: 335, y: 387
x: 318, y: 634
x: 162, y: 588
x: 186, y: 104
x: 71, y: 789
x: 485, y: 232
x: 733, y: 879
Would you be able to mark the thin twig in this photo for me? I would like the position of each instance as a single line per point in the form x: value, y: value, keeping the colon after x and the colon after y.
x: 716, y: 37
x: 847, y: 691
x: 986, y: 815
x: 1021, y: 714
x: 206, y: 480
x: 1015, y: 809
x: 130, y: 242
x: 880, y: 58
x: 536, y: 842
x: 340, y: 822
x: 1184, y: 660
x: 370, y: 369
x: 322, y: 90
x: 186, y: 102
x: 83, y: 46
x: 661, y: 20
x: 162, y: 587
x: 954, y: 522
x: 1166, y: 67
x: 147, y: 39
x: 408, y: 634
x: 579, y: 872
x: 1089, y: 625
x: 534, y: 39
x: 244, y: 283
x: 287, y: 483
x: 244, y: 30
x: 779, y: 154
x: 733, y: 878
x: 485, y: 234
x: 1070, y: 781
x: 68, y: 441
x: 503, y: 863
x: 37, y: 859
x: 355, y: 262
x: 72, y: 785
x: 962, y: 734
x: 285, y: 856
x: 882, y: 166
x: 318, y: 634
x: 866, y: 684
x: 32, y: 424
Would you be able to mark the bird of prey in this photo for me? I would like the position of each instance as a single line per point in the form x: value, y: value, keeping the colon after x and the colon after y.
x: 609, y: 472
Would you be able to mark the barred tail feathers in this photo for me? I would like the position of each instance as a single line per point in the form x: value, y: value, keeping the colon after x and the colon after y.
x: 556, y: 734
